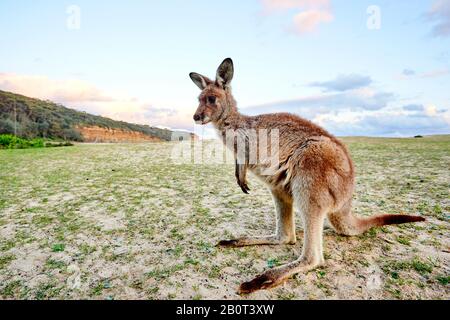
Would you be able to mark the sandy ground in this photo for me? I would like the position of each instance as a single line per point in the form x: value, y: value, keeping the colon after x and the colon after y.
x: 123, y: 222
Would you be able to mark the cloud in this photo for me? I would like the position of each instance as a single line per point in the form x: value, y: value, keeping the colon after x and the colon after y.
x: 344, y: 83
x: 336, y: 114
x: 274, y: 5
x: 414, y: 107
x: 408, y: 72
x: 83, y: 96
x: 436, y: 73
x: 351, y: 92
x: 439, y: 14
x: 312, y: 106
x: 152, y: 112
x: 386, y: 123
x: 65, y: 91
x: 310, y: 13
x: 308, y: 21
x: 362, y: 111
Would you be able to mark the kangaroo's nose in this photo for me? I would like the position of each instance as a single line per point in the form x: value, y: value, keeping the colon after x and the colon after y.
x: 196, y: 117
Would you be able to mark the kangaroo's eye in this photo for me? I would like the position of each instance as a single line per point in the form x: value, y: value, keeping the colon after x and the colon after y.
x: 211, y: 99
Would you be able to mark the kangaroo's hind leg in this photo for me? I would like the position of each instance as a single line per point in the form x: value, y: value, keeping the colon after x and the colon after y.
x: 285, y: 230
x: 344, y: 222
x: 311, y: 257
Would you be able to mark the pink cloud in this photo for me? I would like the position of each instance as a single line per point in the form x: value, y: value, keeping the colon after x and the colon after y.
x: 435, y: 73
x: 308, y: 21
x: 63, y: 91
x: 86, y: 97
x: 312, y: 13
x: 273, y: 5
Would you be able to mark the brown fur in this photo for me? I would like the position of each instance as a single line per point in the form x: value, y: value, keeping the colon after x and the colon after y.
x: 315, y: 174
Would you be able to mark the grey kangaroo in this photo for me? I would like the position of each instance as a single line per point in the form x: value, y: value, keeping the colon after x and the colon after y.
x: 315, y: 174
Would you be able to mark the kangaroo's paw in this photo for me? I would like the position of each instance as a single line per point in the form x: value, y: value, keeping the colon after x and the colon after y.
x: 266, y: 280
x: 229, y: 243
x: 277, y: 276
x: 242, y: 242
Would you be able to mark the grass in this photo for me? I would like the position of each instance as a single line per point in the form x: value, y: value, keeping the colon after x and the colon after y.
x: 421, y: 266
x: 444, y: 280
x: 123, y: 222
x: 5, y: 260
x: 55, y: 264
x: 11, y: 289
x: 58, y: 247
x: 404, y: 240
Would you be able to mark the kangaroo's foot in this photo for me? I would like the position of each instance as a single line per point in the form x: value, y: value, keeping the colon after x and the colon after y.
x: 275, y: 277
x: 249, y: 241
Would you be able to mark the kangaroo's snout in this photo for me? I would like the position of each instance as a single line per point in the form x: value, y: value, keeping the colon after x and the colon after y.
x: 201, y: 118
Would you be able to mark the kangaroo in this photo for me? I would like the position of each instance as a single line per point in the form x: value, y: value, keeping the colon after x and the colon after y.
x: 315, y: 175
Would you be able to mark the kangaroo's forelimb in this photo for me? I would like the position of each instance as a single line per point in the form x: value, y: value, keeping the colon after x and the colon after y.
x: 241, y: 176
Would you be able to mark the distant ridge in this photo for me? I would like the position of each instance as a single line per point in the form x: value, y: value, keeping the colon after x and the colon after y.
x: 30, y: 118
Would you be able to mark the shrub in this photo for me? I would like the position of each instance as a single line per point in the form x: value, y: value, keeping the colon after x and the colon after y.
x: 8, y: 141
x: 37, y: 143
x: 58, y: 144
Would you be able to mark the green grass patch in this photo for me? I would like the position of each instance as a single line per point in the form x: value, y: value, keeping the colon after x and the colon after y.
x: 11, y: 289
x: 58, y: 247
x: 444, y: 280
x: 394, y: 267
x: 5, y: 260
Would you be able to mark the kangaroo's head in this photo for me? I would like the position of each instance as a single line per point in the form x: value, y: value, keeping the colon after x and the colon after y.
x: 216, y: 101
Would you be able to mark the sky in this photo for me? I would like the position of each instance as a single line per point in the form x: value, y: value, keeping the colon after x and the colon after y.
x: 372, y: 68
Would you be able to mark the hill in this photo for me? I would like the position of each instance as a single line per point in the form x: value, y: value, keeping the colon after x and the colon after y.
x: 29, y: 118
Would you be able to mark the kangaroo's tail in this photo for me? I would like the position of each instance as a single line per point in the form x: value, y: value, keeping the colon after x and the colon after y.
x: 387, y: 219
x: 350, y: 224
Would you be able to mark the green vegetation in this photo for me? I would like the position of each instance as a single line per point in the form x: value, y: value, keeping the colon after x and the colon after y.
x: 444, y: 280
x: 58, y: 247
x: 417, y: 264
x: 33, y: 118
x: 5, y: 260
x: 8, y: 141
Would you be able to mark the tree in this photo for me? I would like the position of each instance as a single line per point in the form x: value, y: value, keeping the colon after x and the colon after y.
x: 72, y: 135
x: 43, y: 128
x: 6, y: 126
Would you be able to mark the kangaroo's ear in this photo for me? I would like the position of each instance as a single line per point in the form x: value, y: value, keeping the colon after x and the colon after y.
x: 225, y: 73
x: 201, y: 81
